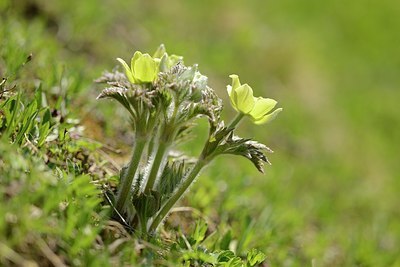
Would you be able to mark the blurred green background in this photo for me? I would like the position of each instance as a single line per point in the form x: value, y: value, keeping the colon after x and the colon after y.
x: 331, y: 196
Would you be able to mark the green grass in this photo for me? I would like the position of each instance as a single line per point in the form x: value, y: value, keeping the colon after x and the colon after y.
x: 329, y: 199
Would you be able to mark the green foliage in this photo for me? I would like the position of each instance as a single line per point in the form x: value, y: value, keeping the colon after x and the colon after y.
x: 331, y: 196
x: 193, y: 252
x: 255, y: 257
x: 44, y: 215
x: 18, y: 120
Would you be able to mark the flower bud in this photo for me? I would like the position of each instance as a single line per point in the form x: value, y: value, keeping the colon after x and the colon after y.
x: 165, y: 61
x: 160, y: 51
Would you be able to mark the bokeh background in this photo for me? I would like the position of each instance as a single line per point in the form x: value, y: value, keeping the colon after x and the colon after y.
x: 331, y: 196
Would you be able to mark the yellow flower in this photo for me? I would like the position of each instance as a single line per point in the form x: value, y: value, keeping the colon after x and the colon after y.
x: 143, y: 68
x: 243, y: 101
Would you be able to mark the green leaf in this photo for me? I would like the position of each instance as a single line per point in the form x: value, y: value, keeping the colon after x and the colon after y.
x: 198, y: 255
x: 26, y: 121
x: 226, y: 255
x: 11, y: 118
x: 46, y: 116
x: 119, y: 94
x: 199, y: 231
x: 234, y: 262
x: 255, y: 257
x: 44, y: 131
x: 226, y: 240
x: 147, y: 205
x: 171, y: 177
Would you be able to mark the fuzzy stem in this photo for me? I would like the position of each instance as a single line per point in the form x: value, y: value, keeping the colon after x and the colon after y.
x: 130, y: 174
x: 143, y: 227
x: 177, y: 194
x: 236, y: 120
x: 158, y: 160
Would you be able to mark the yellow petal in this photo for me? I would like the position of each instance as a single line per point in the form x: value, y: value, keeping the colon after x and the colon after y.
x: 243, y: 98
x: 261, y: 107
x: 145, y: 69
x: 135, y: 57
x: 229, y: 90
x: 269, y: 117
x: 128, y: 71
x: 235, y: 81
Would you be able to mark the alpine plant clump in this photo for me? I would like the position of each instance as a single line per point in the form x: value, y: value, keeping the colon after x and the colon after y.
x: 164, y: 99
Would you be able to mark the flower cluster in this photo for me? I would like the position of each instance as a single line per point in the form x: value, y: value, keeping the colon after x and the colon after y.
x: 164, y: 99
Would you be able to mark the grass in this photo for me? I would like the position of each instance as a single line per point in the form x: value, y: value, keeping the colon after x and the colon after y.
x: 330, y: 197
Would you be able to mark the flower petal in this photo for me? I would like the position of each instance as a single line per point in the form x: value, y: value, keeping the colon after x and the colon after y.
x: 128, y: 71
x: 235, y: 81
x: 243, y: 98
x: 160, y: 51
x: 262, y: 106
x: 135, y: 57
x: 163, y: 65
x: 229, y: 90
x: 174, y: 59
x: 145, y: 68
x: 268, y: 117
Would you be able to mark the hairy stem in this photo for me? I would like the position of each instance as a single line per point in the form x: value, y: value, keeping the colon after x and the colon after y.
x: 236, y: 120
x: 130, y: 174
x: 177, y: 194
x: 143, y: 226
x: 157, y: 162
